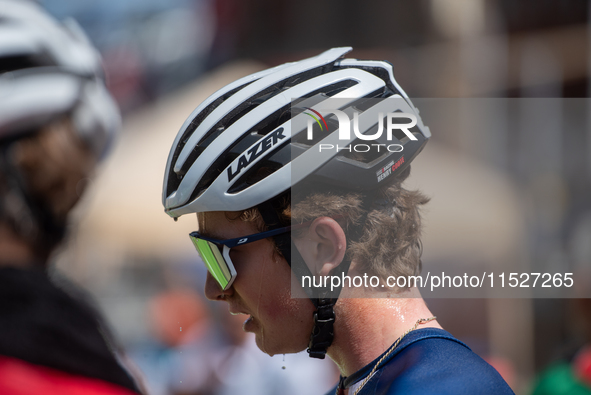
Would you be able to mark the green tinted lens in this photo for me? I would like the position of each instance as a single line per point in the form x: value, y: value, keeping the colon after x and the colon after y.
x: 211, y: 255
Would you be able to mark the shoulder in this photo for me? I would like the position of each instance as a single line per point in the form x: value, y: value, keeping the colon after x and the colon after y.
x: 80, y: 342
x: 433, y: 361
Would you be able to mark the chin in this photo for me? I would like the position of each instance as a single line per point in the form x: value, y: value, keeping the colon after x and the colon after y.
x: 277, y: 346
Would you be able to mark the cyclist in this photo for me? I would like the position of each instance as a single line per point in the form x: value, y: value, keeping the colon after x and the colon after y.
x: 56, y: 121
x: 279, y: 201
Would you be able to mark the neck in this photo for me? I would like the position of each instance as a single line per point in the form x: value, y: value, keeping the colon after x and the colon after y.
x: 366, y: 328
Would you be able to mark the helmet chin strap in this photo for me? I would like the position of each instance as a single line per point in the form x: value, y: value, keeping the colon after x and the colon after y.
x: 323, y: 299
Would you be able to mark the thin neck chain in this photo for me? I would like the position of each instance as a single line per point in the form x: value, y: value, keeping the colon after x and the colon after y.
x: 392, y: 348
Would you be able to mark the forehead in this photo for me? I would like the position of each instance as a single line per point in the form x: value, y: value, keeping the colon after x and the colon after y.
x: 224, y: 225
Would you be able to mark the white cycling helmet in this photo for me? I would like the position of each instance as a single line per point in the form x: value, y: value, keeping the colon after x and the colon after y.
x: 245, y: 146
x: 215, y: 159
x: 47, y: 70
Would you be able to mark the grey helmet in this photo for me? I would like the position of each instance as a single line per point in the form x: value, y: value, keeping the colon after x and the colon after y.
x: 49, y: 69
x: 212, y: 145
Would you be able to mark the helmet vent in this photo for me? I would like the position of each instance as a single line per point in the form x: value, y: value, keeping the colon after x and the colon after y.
x: 241, y: 145
x: 174, y: 179
x: 19, y: 62
x: 260, y: 129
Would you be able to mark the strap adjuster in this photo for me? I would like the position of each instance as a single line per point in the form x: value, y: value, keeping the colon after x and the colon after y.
x: 323, y: 331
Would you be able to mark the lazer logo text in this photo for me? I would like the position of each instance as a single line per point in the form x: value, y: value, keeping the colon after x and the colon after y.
x: 253, y: 153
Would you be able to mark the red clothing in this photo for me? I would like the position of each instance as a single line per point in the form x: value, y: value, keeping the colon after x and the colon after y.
x: 53, y: 341
x: 18, y: 377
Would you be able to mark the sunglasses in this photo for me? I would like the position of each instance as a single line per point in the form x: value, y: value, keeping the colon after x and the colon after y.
x: 216, y: 253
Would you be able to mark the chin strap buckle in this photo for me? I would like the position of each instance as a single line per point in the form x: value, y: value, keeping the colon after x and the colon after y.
x: 323, y: 331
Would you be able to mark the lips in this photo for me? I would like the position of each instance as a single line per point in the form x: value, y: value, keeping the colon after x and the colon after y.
x: 236, y: 311
x: 249, y: 325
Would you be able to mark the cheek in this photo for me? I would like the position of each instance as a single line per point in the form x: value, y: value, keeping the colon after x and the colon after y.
x: 281, y: 308
x: 265, y: 284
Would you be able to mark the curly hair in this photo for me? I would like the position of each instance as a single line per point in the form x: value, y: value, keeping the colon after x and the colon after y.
x: 389, y: 239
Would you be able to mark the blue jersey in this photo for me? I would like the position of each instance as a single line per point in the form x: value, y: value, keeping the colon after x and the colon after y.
x: 428, y: 361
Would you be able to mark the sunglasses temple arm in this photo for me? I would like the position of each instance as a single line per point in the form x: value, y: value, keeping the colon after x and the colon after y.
x: 259, y: 236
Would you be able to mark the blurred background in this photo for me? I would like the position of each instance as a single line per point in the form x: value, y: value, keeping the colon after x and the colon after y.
x: 509, y: 172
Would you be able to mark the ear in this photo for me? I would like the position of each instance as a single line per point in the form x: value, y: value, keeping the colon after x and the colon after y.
x: 323, y: 246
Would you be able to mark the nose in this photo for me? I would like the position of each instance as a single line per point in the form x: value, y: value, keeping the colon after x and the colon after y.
x: 213, y: 291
